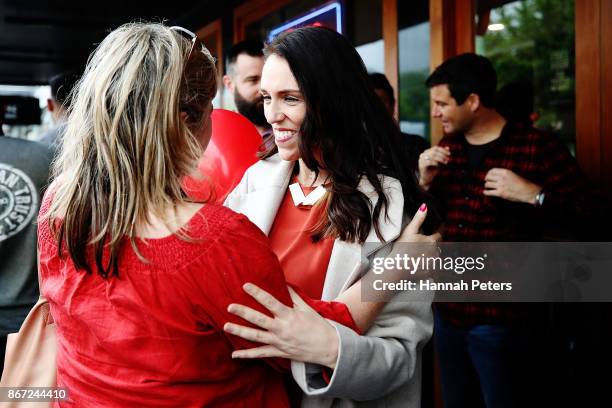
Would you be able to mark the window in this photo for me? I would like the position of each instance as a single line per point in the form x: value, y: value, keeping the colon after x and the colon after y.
x: 531, y: 45
x: 414, y: 64
x: 25, y: 110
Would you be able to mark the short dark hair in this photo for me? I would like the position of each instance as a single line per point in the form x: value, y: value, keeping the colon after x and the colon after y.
x: 61, y: 86
x: 466, y: 74
x: 380, y: 81
x: 252, y: 48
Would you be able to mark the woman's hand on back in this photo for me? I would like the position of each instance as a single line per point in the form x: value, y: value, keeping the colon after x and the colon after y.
x: 297, y: 333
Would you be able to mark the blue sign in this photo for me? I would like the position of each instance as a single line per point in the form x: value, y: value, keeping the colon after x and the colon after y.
x: 329, y: 15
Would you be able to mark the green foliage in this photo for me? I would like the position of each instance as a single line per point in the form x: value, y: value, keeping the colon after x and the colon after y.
x: 414, y: 98
x: 537, y: 45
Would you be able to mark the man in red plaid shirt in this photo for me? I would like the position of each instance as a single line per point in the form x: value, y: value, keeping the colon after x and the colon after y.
x: 496, y: 182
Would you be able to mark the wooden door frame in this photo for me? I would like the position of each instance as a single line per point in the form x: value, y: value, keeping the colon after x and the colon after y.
x: 391, y: 44
x: 251, y: 11
x: 452, y: 32
x: 594, y: 90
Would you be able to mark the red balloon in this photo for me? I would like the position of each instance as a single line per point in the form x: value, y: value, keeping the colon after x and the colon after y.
x: 232, y: 149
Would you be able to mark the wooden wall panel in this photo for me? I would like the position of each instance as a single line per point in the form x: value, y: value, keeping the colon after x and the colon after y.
x: 436, y: 32
x: 465, y: 29
x: 588, y: 87
x: 440, y: 26
x: 452, y: 32
x: 606, y: 95
x: 390, y: 40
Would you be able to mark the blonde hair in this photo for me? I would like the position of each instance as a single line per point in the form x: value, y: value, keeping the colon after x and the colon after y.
x: 126, y: 147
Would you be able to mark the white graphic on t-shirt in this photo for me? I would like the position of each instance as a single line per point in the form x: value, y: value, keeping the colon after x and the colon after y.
x: 18, y: 201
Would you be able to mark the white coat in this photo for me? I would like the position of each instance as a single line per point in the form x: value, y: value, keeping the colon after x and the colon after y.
x: 383, y: 367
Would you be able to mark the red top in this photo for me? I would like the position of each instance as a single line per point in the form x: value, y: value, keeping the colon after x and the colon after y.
x: 304, y: 262
x: 153, y: 336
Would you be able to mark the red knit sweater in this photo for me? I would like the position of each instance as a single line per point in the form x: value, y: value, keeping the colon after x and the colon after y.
x: 153, y: 336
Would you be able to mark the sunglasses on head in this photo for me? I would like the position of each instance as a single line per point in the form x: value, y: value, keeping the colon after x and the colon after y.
x: 194, y: 40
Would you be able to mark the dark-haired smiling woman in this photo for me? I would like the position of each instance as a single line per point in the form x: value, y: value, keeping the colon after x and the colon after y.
x: 334, y: 181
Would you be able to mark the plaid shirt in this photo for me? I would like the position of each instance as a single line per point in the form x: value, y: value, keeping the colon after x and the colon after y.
x: 471, y: 216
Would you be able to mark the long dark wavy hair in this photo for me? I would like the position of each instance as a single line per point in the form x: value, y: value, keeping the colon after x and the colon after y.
x: 348, y: 132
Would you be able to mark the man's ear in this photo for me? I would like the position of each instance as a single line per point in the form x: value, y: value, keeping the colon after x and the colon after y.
x: 228, y: 83
x: 474, y: 102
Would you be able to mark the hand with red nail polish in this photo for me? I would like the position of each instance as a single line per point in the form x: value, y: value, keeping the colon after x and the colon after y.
x: 412, y: 231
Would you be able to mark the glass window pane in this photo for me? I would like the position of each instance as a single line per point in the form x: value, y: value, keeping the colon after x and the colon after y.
x: 531, y: 45
x: 21, y: 117
x: 414, y: 62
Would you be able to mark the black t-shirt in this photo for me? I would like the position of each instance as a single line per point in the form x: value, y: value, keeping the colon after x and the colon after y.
x: 477, y: 153
x: 24, y: 173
